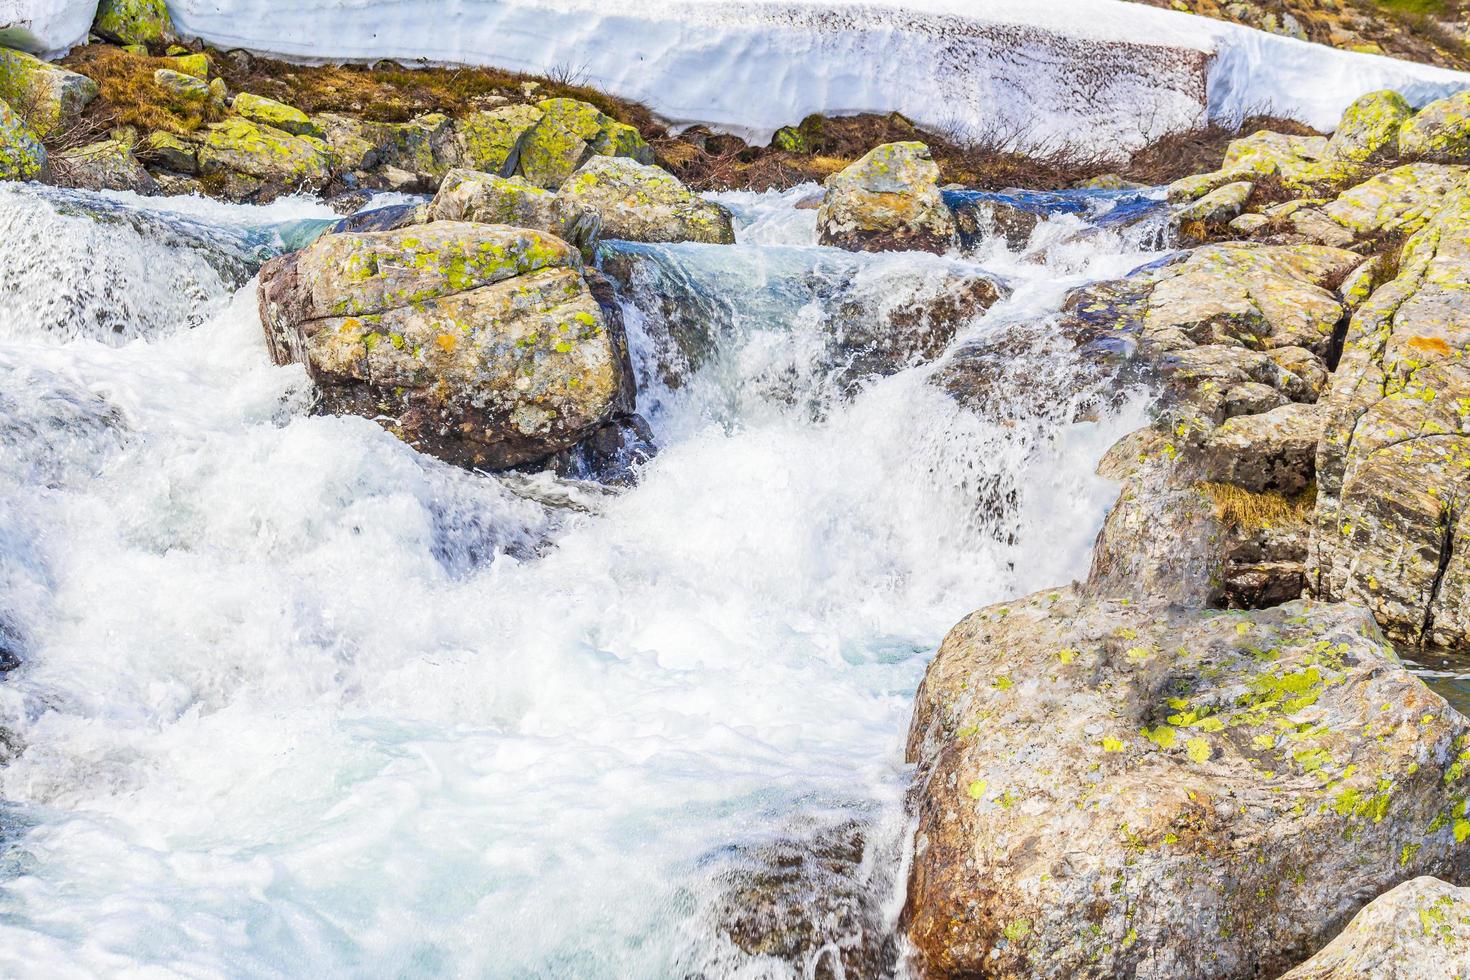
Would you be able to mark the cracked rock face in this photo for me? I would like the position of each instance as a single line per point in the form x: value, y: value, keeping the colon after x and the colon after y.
x: 1394, y: 463
x: 1125, y: 788
x: 483, y: 345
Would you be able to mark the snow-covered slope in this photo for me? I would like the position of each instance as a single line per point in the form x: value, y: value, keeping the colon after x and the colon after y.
x: 45, y: 26
x: 1095, y: 73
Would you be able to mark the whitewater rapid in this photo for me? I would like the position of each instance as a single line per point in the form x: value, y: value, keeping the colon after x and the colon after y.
x: 298, y: 701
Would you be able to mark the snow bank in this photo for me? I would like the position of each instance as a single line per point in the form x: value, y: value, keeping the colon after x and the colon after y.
x: 45, y: 26
x: 1099, y: 74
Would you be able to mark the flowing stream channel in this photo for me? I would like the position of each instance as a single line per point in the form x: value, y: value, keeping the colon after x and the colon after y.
x: 293, y: 700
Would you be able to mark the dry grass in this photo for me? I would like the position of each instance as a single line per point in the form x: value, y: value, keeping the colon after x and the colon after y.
x: 130, y: 96
x: 1257, y: 511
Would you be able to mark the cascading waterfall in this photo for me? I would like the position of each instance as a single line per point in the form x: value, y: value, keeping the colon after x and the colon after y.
x: 295, y: 699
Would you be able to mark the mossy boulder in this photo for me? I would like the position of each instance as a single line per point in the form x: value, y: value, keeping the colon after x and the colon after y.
x: 188, y: 64
x: 567, y: 135
x: 188, y: 88
x: 269, y: 112
x: 108, y: 165
x: 277, y: 160
x: 134, y: 21
x: 1218, y: 207
x: 1370, y: 127
x: 790, y: 139
x: 170, y: 152
x: 44, y: 95
x: 887, y: 201
x: 643, y: 203
x: 468, y: 195
x: 1119, y: 787
x: 22, y: 157
x: 1397, y: 201
x: 1440, y: 132
x: 1419, y: 930
x: 490, y: 140
x: 480, y: 344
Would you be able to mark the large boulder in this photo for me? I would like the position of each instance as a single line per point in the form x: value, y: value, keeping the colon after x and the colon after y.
x: 271, y: 161
x: 1419, y: 930
x: 134, y: 21
x: 44, y: 95
x: 480, y: 344
x: 1394, y: 464
x: 22, y: 157
x: 1397, y: 201
x: 643, y: 203
x: 567, y: 135
x: 1440, y: 132
x: 1369, y: 129
x: 1125, y: 788
x: 887, y: 201
x: 490, y: 140
x: 468, y: 195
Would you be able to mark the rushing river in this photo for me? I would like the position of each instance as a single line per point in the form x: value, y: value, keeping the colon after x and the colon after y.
x: 296, y: 701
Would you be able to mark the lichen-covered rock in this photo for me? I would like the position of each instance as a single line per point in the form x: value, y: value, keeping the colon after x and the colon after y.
x: 490, y: 140
x: 22, y: 157
x: 423, y: 146
x: 347, y: 140
x: 1123, y: 788
x: 568, y: 134
x: 182, y: 85
x: 108, y: 165
x: 1196, y: 186
x: 468, y: 195
x: 134, y: 21
x: 480, y: 344
x: 642, y: 203
x: 1260, y: 297
x: 1419, y: 930
x: 887, y: 201
x: 1299, y: 161
x: 1400, y: 200
x: 44, y: 95
x: 269, y: 112
x: 1369, y: 129
x: 170, y: 152
x: 1439, y: 132
x: 277, y: 159
x: 1218, y: 207
x: 188, y: 63
x: 1394, y: 465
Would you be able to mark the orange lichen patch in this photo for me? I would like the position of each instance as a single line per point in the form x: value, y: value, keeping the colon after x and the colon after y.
x: 446, y: 342
x: 1430, y: 345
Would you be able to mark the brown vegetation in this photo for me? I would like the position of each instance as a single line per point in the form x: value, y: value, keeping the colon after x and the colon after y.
x: 130, y: 96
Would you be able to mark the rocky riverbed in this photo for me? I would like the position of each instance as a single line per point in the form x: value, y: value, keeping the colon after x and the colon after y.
x: 453, y: 545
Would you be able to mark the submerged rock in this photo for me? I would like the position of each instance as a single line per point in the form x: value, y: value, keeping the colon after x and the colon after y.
x: 887, y: 201
x: 480, y: 344
x: 640, y: 203
x: 1419, y: 930
x: 1123, y: 788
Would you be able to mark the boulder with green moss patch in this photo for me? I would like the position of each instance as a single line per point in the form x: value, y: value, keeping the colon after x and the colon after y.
x: 1118, y: 787
x: 278, y: 160
x: 490, y: 140
x: 642, y: 203
x: 22, y: 157
x: 1370, y: 127
x: 43, y: 95
x: 1419, y: 930
x: 189, y: 64
x: 134, y: 21
x: 468, y: 195
x: 1394, y: 465
x: 269, y: 112
x: 567, y: 135
x: 887, y: 201
x: 108, y: 165
x: 1439, y: 132
x: 170, y: 152
x: 183, y: 86
x: 480, y: 344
